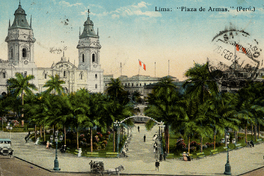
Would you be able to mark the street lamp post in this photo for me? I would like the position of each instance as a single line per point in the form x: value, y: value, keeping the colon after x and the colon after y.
x: 9, y: 128
x: 161, y: 125
x: 56, y: 162
x: 117, y: 124
x: 227, y: 165
x: 2, y: 124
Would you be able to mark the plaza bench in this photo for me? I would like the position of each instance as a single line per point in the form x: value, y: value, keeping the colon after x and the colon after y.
x: 170, y: 155
x: 213, y: 152
x: 181, y: 158
x: 111, y: 154
x: 200, y: 155
x: 238, y: 146
x: 92, y: 154
x: 76, y: 152
x: 259, y: 140
x: 67, y: 149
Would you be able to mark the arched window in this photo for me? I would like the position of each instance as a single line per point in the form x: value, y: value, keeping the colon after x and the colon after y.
x: 95, y: 76
x: 81, y: 75
x: 82, y: 57
x: 4, y: 75
x: 96, y: 86
x: 45, y: 76
x: 93, y: 58
x: 24, y: 52
x: 11, y: 53
x: 64, y: 73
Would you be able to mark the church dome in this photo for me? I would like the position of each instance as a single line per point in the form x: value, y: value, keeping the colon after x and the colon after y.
x: 88, y: 22
x: 88, y: 30
x: 20, y: 11
x: 20, y: 20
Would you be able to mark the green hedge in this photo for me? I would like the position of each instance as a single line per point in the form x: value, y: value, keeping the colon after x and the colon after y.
x: 31, y: 129
x: 16, y: 129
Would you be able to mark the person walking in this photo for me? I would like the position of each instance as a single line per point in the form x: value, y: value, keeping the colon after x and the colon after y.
x: 188, y: 156
x: 184, y: 156
x: 164, y: 155
x: 157, y: 164
x: 27, y: 137
x: 154, y: 146
x: 144, y: 138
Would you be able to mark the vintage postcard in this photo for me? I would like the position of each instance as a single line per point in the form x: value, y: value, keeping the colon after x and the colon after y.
x: 89, y: 43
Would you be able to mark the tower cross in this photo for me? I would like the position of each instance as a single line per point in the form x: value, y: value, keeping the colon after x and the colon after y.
x: 88, y: 12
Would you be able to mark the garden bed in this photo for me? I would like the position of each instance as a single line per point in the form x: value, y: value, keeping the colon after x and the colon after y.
x: 182, y: 146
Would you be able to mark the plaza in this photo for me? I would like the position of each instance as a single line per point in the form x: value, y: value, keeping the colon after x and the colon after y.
x: 140, y: 160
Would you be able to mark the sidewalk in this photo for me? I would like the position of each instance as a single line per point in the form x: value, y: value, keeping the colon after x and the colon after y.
x: 140, y: 158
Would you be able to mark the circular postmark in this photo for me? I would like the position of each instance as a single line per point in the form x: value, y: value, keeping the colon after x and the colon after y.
x: 235, y: 53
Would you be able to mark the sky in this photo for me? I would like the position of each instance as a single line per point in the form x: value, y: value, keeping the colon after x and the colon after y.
x: 133, y: 30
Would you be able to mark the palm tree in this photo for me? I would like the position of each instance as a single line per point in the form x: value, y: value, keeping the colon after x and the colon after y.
x: 32, y: 110
x: 251, y: 106
x: 201, y: 83
x: 190, y: 119
x: 117, y: 92
x: 162, y: 103
x: 112, y: 111
x: 221, y: 113
x: 200, y: 86
x: 86, y: 108
x: 67, y: 113
x: 21, y: 85
x: 54, y: 84
x: 53, y: 110
x: 136, y: 96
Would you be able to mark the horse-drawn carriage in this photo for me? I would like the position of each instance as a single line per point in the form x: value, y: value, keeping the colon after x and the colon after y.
x: 98, y: 167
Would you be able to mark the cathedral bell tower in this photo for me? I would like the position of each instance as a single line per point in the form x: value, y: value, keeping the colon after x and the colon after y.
x: 89, y: 57
x: 20, y: 40
x: 89, y: 47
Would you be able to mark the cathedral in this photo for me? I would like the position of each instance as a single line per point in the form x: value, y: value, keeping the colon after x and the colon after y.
x: 20, y: 41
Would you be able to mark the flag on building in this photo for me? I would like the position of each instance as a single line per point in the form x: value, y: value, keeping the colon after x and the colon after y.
x: 238, y: 47
x: 141, y: 64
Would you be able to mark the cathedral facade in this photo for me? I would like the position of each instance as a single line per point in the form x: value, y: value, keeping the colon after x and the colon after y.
x: 20, y: 41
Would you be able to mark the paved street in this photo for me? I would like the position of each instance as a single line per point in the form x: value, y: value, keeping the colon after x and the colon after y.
x: 141, y: 158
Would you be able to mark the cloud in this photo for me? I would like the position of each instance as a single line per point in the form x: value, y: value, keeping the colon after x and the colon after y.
x: 68, y: 4
x: 130, y: 10
x: 148, y: 13
x: 115, y: 16
x: 93, y: 6
x: 141, y: 4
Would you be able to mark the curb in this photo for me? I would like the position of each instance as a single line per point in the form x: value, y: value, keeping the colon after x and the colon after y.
x: 251, y: 170
x: 71, y: 172
x: 33, y: 164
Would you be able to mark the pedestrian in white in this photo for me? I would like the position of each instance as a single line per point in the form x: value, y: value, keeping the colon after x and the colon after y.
x: 80, y: 152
